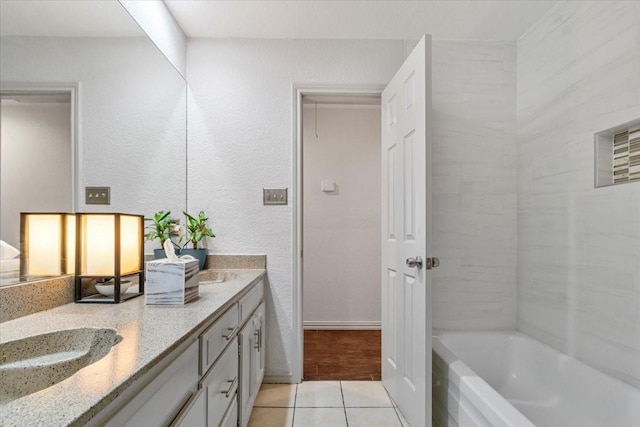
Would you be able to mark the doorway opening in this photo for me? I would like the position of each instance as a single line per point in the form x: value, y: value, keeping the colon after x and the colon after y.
x: 338, y: 231
x: 37, y: 129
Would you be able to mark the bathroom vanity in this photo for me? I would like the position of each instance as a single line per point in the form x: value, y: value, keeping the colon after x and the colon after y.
x: 199, y: 364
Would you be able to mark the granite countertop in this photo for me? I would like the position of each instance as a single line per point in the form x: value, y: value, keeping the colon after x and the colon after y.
x: 149, y: 332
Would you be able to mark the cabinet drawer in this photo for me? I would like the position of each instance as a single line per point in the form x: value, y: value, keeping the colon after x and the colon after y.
x: 215, y: 339
x: 221, y: 384
x: 250, y: 302
x: 160, y: 401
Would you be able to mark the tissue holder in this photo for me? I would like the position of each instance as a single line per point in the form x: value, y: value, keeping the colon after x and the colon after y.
x: 171, y: 282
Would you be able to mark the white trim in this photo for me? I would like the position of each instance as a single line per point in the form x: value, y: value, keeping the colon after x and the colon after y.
x: 73, y: 88
x: 296, y: 204
x: 342, y: 106
x: 300, y: 89
x: 347, y: 325
x: 278, y: 379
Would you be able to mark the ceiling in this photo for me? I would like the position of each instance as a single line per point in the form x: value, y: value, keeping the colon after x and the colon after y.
x: 503, y: 20
x: 66, y: 18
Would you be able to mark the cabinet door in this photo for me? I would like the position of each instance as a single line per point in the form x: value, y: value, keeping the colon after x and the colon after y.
x: 246, y: 393
x: 221, y: 384
x: 194, y: 414
x: 259, y: 348
x: 231, y: 420
x: 160, y: 402
x: 250, y: 301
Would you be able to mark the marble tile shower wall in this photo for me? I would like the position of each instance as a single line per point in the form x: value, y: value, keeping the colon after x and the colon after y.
x: 579, y: 247
x: 474, y: 184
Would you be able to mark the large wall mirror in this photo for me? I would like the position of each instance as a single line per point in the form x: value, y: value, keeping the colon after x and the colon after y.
x: 87, y: 100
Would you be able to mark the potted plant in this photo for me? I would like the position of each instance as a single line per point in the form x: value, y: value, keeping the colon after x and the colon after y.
x: 160, y: 228
x: 197, y: 230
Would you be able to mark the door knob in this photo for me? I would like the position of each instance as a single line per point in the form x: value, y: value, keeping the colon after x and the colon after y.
x: 432, y: 263
x: 415, y: 262
x: 418, y: 262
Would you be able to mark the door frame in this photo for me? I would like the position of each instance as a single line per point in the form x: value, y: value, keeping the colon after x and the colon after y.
x: 73, y: 89
x: 299, y: 90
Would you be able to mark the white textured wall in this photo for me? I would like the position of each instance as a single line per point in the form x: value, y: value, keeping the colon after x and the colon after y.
x: 37, y: 136
x: 157, y: 21
x: 341, y: 243
x: 579, y: 247
x: 241, y: 140
x: 474, y: 185
x: 132, y: 115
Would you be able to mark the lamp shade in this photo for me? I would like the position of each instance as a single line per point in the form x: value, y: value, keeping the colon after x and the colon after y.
x: 47, y: 244
x: 108, y: 244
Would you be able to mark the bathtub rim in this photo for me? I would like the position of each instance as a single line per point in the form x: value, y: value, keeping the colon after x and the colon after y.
x: 473, y: 389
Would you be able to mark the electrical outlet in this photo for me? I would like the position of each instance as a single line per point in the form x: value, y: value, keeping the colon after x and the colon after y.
x: 97, y: 195
x: 274, y: 196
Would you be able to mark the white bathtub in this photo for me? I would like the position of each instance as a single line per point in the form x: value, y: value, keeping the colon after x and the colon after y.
x: 508, y: 379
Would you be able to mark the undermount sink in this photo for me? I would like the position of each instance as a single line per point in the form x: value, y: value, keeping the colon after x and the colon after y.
x: 34, y: 363
x: 214, y: 276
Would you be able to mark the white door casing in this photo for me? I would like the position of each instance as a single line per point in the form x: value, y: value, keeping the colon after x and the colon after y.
x: 406, y: 233
x: 300, y: 90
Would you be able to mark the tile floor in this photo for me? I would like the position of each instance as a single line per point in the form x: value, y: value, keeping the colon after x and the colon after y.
x: 325, y: 404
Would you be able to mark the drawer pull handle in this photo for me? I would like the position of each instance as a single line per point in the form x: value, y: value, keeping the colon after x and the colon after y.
x: 228, y: 391
x: 230, y: 333
x: 258, y: 335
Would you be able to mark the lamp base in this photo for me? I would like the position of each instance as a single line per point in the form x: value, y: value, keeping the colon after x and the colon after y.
x: 101, y: 299
x: 101, y: 289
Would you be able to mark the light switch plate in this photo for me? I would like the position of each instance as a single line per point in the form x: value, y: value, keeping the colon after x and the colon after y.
x: 274, y: 196
x: 97, y: 195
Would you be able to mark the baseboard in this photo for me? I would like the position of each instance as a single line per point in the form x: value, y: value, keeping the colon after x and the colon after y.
x: 278, y: 379
x: 343, y: 325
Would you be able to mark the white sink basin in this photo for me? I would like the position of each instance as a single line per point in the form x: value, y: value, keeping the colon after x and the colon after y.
x: 215, y: 276
x: 34, y: 363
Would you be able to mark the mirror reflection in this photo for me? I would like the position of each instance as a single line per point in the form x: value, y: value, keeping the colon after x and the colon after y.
x: 87, y: 101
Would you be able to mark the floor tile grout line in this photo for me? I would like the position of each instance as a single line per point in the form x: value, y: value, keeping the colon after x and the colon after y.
x: 273, y: 407
x: 320, y: 407
x: 344, y: 406
x: 369, y: 407
x: 393, y: 405
x: 295, y: 401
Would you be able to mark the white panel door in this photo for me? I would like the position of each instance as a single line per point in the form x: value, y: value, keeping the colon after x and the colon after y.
x: 406, y: 288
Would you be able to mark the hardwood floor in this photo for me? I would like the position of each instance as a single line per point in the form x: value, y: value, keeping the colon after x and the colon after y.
x: 342, y: 355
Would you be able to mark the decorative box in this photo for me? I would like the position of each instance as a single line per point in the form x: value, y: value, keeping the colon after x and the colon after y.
x: 171, y: 282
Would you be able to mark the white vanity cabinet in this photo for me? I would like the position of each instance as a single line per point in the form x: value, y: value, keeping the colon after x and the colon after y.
x: 213, y: 380
x: 166, y: 394
x: 252, y: 359
x: 232, y: 363
x: 220, y: 385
